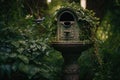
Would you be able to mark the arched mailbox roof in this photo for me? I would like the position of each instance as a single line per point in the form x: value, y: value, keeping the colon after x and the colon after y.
x: 66, y: 14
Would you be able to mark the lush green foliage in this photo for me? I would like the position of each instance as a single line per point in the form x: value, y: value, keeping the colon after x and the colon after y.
x: 86, y: 20
x: 108, y: 45
x: 25, y: 53
x: 24, y: 50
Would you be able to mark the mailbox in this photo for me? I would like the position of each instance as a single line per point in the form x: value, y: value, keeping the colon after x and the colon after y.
x: 67, y: 26
x: 74, y: 33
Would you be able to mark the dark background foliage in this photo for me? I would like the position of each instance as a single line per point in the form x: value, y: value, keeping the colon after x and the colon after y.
x: 26, y: 55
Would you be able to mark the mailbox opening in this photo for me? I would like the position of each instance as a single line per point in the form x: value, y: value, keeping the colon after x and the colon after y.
x: 67, y: 23
x: 67, y: 16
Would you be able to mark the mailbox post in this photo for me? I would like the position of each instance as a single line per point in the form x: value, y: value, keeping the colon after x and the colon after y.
x: 69, y: 41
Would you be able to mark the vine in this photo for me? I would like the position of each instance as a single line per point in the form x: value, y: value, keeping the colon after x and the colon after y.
x: 86, y: 21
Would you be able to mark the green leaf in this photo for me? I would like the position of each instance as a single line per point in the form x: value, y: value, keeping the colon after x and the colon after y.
x: 20, y: 50
x: 13, y: 55
x: 30, y: 70
x: 24, y: 68
x: 16, y: 44
x: 23, y: 58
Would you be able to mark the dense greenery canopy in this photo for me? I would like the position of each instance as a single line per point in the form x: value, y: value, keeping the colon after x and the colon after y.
x: 25, y: 53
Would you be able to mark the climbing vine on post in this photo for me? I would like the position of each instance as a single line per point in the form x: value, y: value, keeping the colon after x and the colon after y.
x: 87, y: 22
